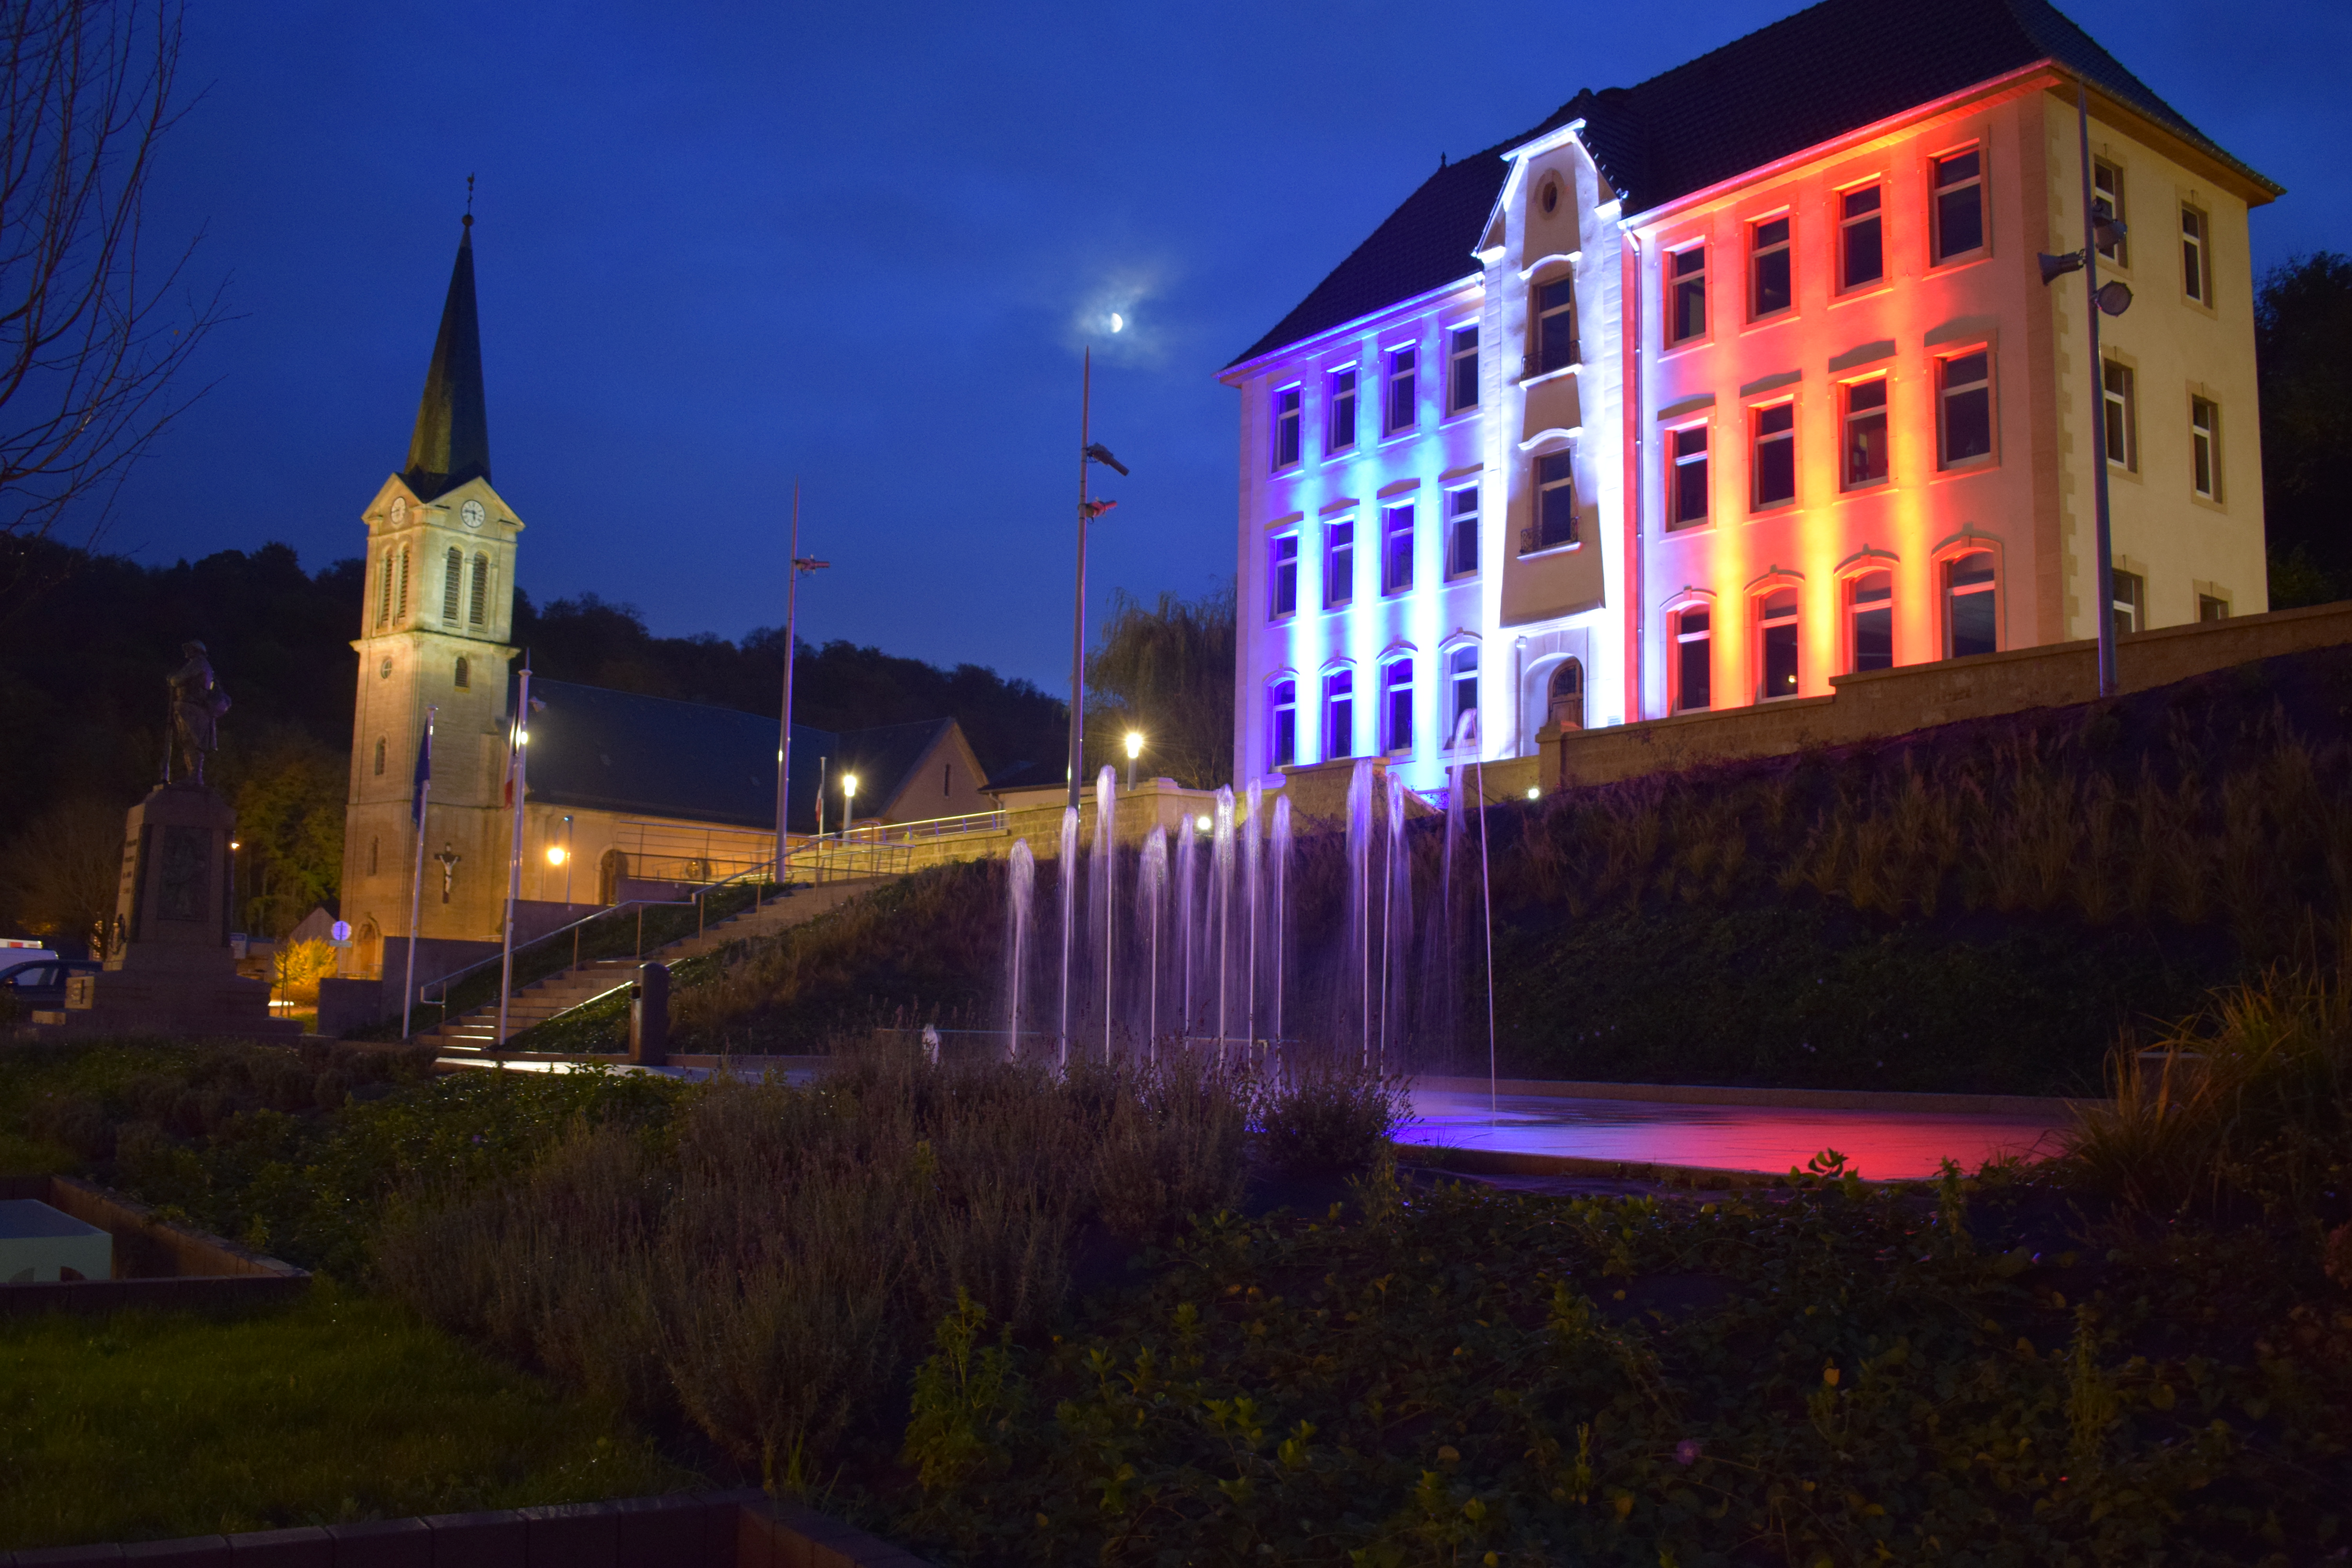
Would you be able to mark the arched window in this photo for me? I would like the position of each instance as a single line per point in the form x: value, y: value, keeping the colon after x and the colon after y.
x: 1873, y: 614
x: 1282, y: 722
x: 1397, y: 677
x: 1777, y: 631
x: 478, y: 605
x: 465, y: 674
x: 383, y: 590
x: 1338, y: 714
x: 1567, y: 695
x: 400, y: 587
x: 1694, y: 665
x: 1461, y: 685
x: 452, y: 575
x: 1971, y: 606
x: 379, y: 757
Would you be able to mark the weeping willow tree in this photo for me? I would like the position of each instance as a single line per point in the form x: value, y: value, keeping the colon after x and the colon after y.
x: 1167, y: 670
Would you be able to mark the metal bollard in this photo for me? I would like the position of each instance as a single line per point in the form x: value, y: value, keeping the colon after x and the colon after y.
x: 650, y: 1016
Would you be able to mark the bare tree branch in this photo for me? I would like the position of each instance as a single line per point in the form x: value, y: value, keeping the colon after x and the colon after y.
x: 92, y: 334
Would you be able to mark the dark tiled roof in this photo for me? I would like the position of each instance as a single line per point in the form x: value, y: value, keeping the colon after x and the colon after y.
x: 1424, y: 245
x: 617, y: 750
x: 1829, y: 69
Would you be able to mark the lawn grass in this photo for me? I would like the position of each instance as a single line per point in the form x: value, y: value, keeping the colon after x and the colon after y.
x: 145, y: 1427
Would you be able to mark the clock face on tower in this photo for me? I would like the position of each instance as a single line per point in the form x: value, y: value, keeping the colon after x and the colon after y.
x: 470, y: 514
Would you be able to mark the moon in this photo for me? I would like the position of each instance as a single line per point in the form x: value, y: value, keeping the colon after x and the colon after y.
x: 1117, y: 322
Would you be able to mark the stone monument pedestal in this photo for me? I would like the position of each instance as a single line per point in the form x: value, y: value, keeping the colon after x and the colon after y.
x: 169, y: 970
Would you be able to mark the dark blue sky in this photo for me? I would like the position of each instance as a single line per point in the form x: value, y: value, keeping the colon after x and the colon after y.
x: 723, y: 244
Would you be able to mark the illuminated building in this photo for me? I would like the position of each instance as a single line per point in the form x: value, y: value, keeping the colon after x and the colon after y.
x: 1706, y: 391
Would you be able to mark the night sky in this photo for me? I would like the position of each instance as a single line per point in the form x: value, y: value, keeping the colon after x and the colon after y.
x: 722, y: 244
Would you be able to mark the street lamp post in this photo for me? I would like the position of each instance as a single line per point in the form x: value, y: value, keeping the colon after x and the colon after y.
x: 799, y: 566
x: 1134, y: 749
x: 2115, y: 298
x: 1089, y: 451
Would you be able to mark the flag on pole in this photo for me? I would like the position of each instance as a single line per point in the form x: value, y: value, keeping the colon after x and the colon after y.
x: 424, y: 777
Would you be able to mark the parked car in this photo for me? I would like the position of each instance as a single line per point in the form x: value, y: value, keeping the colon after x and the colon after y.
x: 42, y: 982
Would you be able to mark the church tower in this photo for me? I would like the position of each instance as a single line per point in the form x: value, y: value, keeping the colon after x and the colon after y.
x: 433, y: 634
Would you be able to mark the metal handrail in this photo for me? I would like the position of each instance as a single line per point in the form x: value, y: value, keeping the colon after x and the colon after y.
x: 763, y: 868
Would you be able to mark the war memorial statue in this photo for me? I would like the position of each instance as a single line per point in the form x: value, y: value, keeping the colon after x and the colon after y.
x: 169, y: 969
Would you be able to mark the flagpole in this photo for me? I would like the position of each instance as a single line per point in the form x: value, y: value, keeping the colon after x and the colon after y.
x: 416, y: 876
x: 518, y: 779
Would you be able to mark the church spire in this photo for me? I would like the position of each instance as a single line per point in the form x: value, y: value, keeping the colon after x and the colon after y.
x: 452, y: 443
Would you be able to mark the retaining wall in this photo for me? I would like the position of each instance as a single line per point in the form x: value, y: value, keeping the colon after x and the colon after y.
x: 157, y: 1264
x: 1883, y: 703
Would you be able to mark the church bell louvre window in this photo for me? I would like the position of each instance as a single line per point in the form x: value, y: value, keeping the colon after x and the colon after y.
x: 383, y: 590
x: 400, y: 587
x: 453, y: 576
x: 478, y: 607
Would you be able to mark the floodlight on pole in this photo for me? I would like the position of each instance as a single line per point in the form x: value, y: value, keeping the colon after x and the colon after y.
x: 1089, y: 451
x: 797, y: 566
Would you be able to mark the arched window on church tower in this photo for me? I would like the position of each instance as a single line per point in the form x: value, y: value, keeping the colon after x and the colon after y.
x: 373, y: 845
x: 452, y: 574
x: 479, y: 608
x: 465, y: 674
x: 400, y: 592
x: 379, y: 757
x: 384, y: 590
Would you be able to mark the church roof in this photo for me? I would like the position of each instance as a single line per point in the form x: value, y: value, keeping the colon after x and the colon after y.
x: 1807, y: 78
x: 452, y: 443
x: 602, y: 749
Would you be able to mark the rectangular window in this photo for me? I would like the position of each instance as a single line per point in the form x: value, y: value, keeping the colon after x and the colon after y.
x: 2130, y: 602
x: 1768, y: 282
x: 2209, y: 608
x: 1874, y: 621
x: 1286, y: 426
x: 1462, y: 369
x: 1972, y: 625
x: 1959, y: 205
x: 1402, y: 411
x: 1282, y: 713
x: 1398, y: 677
x: 1963, y: 408
x: 1865, y: 434
x: 1461, y: 674
x: 1339, y: 562
x: 1862, y: 244
x: 1686, y: 295
x: 1462, y: 533
x: 1282, y: 576
x: 1693, y: 664
x: 1555, y: 326
x: 1687, y: 489
x: 2123, y: 424
x: 2204, y: 421
x: 2108, y: 201
x: 1396, y: 548
x: 1554, y: 500
x: 1342, y: 432
x: 1775, y: 454
x: 2195, y: 259
x: 1777, y: 623
x: 1340, y: 714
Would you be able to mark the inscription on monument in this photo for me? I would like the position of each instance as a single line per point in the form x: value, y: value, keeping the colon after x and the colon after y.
x: 188, y: 856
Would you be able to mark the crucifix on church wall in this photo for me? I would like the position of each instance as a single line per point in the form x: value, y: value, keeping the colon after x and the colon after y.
x: 448, y: 858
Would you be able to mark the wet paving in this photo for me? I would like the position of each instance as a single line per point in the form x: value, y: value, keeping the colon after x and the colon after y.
x: 1880, y: 1144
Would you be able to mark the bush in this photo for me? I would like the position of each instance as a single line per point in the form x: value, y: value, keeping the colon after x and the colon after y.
x: 1327, y: 1118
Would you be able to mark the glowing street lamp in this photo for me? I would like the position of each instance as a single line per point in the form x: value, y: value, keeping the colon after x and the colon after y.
x: 848, y: 802
x: 1134, y: 749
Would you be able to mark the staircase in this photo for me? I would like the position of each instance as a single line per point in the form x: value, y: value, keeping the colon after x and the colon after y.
x: 476, y: 1032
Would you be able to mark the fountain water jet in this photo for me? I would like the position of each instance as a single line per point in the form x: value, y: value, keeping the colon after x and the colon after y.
x: 1221, y: 849
x: 1150, y: 893
x: 1068, y: 873
x: 1360, y: 889
x: 1021, y: 884
x: 1281, y: 891
x: 1106, y: 862
x: 1249, y: 890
